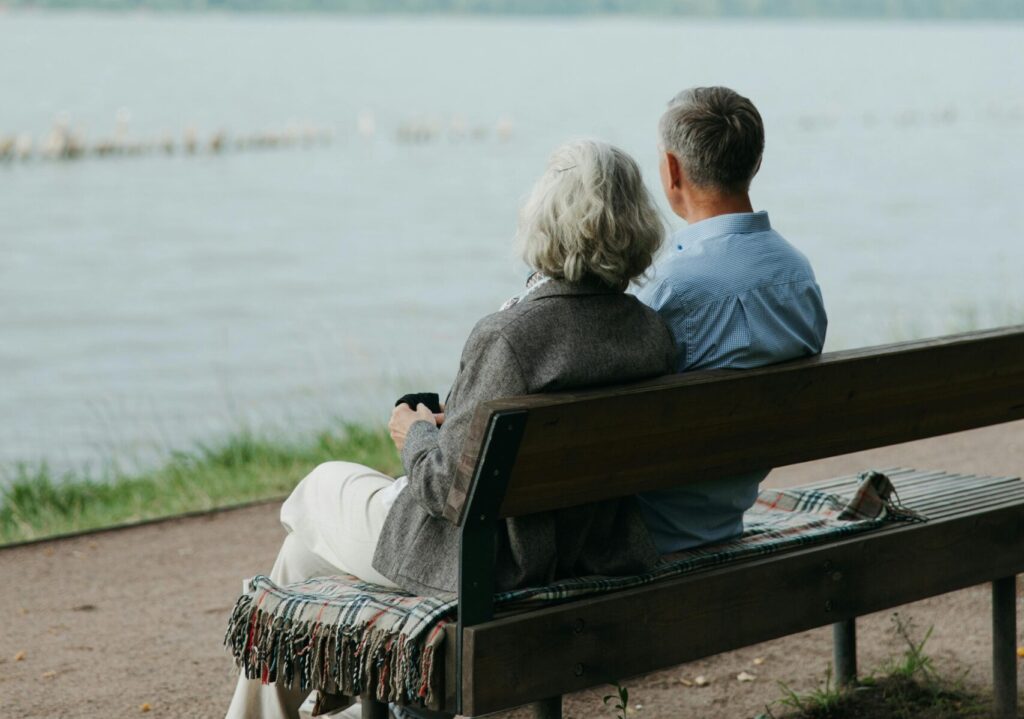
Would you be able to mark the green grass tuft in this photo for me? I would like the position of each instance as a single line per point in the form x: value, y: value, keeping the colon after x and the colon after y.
x: 909, y: 688
x: 245, y: 467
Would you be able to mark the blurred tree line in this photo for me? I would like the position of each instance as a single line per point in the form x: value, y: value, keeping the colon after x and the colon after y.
x: 962, y: 9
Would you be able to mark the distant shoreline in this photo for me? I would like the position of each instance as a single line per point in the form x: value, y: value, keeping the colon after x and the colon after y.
x: 977, y: 10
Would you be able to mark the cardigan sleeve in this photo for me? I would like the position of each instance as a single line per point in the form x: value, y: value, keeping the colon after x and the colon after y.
x: 489, y: 370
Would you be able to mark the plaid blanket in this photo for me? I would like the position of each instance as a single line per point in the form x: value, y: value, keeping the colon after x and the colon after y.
x: 340, y: 635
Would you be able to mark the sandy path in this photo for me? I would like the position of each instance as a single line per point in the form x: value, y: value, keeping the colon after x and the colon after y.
x: 112, y: 621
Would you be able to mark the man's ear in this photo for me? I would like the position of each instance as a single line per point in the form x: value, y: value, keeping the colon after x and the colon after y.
x: 675, y: 170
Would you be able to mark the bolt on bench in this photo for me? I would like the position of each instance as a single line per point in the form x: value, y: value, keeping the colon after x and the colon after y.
x: 545, y: 452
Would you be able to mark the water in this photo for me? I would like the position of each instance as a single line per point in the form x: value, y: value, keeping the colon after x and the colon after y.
x: 147, y: 302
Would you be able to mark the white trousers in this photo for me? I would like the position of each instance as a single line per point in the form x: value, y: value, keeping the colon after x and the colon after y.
x: 333, y: 518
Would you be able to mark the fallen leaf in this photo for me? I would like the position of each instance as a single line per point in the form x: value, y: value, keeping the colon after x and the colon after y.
x: 49, y: 675
x: 24, y: 610
x: 20, y: 656
x: 745, y: 677
x: 686, y: 682
x: 1020, y: 652
x: 701, y: 680
x: 84, y: 608
x: 145, y: 708
x: 758, y: 661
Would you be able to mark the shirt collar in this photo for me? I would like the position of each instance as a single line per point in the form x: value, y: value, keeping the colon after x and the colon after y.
x: 732, y: 224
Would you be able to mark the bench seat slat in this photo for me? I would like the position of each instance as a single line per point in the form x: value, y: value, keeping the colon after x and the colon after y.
x: 948, y: 503
x: 941, y: 501
x: 908, y: 482
x: 929, y: 492
x: 996, y: 503
x: 828, y: 484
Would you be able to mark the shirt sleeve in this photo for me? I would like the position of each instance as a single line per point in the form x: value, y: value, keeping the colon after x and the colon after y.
x: 489, y: 370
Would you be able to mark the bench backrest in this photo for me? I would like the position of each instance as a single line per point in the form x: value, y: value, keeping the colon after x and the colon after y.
x: 577, y: 447
x: 542, y: 452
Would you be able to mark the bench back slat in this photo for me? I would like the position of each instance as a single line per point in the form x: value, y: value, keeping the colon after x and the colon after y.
x: 579, y: 447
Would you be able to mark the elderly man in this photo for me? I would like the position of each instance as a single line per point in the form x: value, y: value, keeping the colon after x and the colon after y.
x: 734, y: 293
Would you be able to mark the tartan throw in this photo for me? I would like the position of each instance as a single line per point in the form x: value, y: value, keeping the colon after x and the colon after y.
x: 339, y: 635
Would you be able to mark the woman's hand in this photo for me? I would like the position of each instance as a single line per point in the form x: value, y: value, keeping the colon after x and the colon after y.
x: 402, y: 418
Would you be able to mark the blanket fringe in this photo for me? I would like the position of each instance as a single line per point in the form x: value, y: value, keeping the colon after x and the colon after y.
x: 353, y: 660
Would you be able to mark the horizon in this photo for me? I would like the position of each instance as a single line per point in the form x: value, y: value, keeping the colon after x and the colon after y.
x: 948, y: 10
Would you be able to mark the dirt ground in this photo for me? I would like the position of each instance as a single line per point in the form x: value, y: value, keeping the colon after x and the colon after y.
x: 129, y: 622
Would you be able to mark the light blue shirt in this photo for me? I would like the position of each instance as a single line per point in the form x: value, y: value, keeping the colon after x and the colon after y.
x: 735, y: 295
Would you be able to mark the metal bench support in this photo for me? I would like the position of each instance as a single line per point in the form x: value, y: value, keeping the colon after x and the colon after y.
x: 844, y: 651
x: 549, y: 708
x: 1004, y: 646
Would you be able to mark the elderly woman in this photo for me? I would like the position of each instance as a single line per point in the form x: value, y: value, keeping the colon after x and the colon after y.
x: 588, y: 228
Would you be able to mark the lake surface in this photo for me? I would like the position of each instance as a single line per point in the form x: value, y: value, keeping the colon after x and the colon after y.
x: 149, y: 302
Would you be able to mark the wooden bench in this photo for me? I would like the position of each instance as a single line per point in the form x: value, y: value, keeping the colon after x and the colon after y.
x: 544, y: 452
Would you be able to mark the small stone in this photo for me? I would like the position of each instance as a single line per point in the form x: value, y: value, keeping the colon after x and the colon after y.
x: 745, y: 677
x: 19, y: 657
x: 701, y: 680
x: 686, y: 682
x: 145, y: 708
x: 758, y: 661
x: 49, y: 675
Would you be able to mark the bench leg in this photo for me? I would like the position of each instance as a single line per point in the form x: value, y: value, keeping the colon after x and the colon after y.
x: 844, y: 651
x: 549, y: 708
x: 373, y: 710
x: 1004, y: 646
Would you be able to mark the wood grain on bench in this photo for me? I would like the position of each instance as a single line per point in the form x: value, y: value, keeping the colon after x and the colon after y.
x: 580, y: 447
x: 544, y: 452
x: 611, y: 637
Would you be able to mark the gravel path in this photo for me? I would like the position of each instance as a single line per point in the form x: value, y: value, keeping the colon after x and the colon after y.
x: 129, y: 622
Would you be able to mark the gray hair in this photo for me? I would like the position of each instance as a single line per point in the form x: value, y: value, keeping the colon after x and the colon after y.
x: 717, y: 135
x: 590, y: 215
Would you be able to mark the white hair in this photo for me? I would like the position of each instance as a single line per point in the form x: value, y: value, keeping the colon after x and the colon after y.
x: 590, y: 215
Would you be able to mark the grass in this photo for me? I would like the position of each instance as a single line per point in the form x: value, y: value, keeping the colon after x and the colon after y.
x: 243, y: 468
x: 906, y: 687
x: 621, y: 697
x: 819, y: 701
